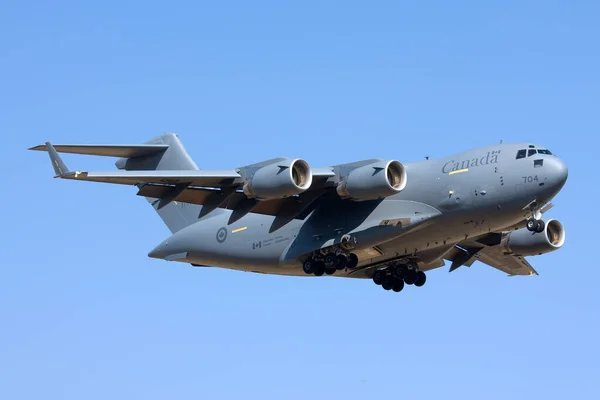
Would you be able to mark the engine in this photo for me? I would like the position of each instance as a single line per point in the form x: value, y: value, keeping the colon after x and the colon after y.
x: 278, y: 180
x: 525, y: 243
x: 373, y: 181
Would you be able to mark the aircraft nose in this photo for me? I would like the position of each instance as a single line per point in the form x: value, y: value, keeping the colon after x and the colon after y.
x: 558, y: 171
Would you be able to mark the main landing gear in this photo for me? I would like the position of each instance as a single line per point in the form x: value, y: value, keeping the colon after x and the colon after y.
x: 396, y: 276
x: 331, y: 259
x: 328, y: 263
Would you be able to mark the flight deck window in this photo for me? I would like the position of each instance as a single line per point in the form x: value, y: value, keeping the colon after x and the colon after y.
x: 530, y: 152
x: 544, y: 151
x: 521, y: 154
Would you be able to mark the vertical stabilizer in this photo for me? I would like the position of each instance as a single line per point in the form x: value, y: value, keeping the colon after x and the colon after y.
x: 175, y: 157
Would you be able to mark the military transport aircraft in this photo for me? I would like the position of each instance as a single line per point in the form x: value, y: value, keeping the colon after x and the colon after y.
x: 378, y: 219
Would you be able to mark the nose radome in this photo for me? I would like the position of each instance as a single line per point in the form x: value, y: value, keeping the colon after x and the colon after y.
x: 559, y: 172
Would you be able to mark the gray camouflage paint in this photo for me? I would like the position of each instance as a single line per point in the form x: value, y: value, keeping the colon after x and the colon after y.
x: 444, y: 202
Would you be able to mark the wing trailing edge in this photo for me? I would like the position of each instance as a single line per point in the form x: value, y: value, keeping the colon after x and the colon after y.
x: 107, y: 150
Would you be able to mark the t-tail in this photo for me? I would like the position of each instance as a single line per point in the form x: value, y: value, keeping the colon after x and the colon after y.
x: 174, y: 157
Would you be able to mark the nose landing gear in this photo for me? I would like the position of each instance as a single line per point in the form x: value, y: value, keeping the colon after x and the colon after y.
x: 536, y: 225
x: 535, y: 222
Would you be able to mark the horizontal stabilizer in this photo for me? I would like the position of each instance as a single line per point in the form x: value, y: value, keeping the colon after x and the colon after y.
x: 109, y: 150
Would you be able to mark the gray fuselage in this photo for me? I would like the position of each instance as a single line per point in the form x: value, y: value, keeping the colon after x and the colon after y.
x: 445, y: 201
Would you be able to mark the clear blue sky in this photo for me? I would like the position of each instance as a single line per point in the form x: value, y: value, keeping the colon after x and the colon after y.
x: 84, y: 314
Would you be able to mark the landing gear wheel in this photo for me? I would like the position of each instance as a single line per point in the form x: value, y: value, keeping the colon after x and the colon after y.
x: 330, y: 270
x: 342, y: 262
x: 309, y: 266
x: 400, y: 271
x: 532, y: 225
x: 421, y: 278
x: 541, y: 226
x: 379, y: 277
x: 330, y: 260
x: 352, y: 261
x: 398, y: 285
x: 410, y: 277
x: 319, y: 268
x: 388, y: 284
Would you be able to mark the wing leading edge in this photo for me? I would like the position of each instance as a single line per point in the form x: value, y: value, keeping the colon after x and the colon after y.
x: 210, y: 188
x: 160, y: 177
x: 489, y: 250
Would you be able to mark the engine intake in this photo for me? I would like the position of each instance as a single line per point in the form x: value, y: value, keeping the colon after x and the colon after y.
x: 373, y: 181
x: 525, y: 243
x: 280, y: 179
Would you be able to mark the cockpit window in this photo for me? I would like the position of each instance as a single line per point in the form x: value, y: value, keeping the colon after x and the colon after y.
x: 544, y: 151
x: 521, y: 154
x: 530, y: 152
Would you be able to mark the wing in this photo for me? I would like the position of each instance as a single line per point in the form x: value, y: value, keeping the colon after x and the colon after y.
x: 210, y: 188
x: 158, y: 177
x: 489, y: 250
x: 213, y: 178
x: 512, y: 265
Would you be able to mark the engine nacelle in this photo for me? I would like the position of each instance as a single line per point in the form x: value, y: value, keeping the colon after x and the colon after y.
x: 281, y: 179
x: 525, y: 243
x: 373, y: 181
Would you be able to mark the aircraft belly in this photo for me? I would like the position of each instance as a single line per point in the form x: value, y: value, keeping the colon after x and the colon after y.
x: 243, y: 244
x: 388, y: 229
x: 265, y: 269
x: 445, y: 232
x: 369, y: 223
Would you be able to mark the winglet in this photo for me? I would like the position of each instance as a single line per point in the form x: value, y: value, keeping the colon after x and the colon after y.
x: 60, y: 169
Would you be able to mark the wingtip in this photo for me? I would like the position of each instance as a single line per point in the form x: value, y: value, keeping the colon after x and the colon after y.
x: 60, y: 168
